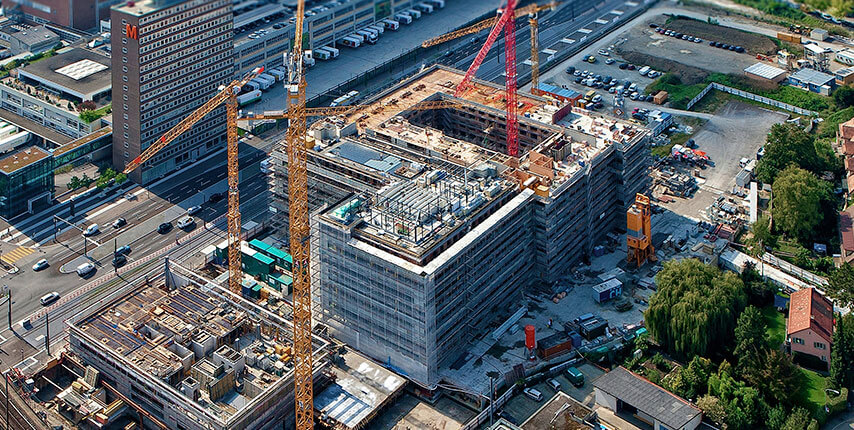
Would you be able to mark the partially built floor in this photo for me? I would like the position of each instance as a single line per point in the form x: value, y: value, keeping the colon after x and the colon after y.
x: 427, y: 228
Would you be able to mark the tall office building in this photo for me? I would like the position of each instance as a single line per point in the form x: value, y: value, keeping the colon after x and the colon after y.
x: 169, y: 57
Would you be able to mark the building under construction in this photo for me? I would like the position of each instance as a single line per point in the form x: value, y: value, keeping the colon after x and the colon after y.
x: 193, y: 354
x: 432, y: 231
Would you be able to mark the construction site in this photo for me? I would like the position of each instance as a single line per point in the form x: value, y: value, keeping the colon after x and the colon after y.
x: 193, y: 354
x: 427, y: 229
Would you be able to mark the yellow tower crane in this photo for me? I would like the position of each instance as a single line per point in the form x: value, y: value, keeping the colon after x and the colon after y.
x: 227, y: 95
x: 297, y: 178
x: 531, y: 10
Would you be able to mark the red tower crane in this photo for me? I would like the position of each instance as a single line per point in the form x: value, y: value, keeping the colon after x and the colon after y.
x: 507, y: 23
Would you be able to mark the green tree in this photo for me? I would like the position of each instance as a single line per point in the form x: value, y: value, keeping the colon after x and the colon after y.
x: 776, y: 377
x: 762, y: 235
x: 695, y: 307
x: 743, y: 405
x: 759, y: 291
x: 713, y: 409
x: 692, y: 381
x: 776, y: 418
x: 838, y: 374
x: 798, y: 199
x: 74, y: 183
x: 750, y: 340
x: 844, y: 97
x: 799, y: 419
x: 841, y: 284
x: 787, y: 144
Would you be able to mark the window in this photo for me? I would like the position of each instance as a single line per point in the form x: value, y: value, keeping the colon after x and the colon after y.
x: 126, y: 154
x: 819, y: 345
x: 823, y: 358
x: 124, y: 50
x: 797, y: 340
x: 124, y: 88
x: 125, y: 69
x: 124, y: 78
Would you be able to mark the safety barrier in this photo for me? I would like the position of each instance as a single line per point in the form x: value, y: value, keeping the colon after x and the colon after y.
x: 749, y: 96
x: 483, y: 416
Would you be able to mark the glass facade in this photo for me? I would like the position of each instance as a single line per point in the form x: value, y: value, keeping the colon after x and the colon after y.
x: 19, y: 187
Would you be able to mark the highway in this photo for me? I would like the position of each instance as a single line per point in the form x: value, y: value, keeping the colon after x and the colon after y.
x: 162, y: 203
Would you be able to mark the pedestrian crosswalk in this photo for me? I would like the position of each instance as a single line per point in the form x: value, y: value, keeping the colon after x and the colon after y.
x: 16, y: 254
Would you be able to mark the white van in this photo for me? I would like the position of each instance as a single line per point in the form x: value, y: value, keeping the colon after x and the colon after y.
x: 92, y: 229
x: 414, y: 13
x: 85, y: 268
x: 49, y: 298
x: 533, y: 394
x: 644, y: 70
x: 424, y: 7
x: 404, y: 18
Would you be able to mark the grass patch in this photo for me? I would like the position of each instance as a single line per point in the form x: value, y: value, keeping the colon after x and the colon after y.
x: 678, y: 93
x: 811, y: 394
x: 775, y: 324
x: 92, y: 115
x: 828, y: 128
x: 794, y: 96
x: 662, y: 151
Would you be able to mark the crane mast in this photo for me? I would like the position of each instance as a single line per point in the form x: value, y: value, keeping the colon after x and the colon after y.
x: 299, y: 229
x: 535, y: 54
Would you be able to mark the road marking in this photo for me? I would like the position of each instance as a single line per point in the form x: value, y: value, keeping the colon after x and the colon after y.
x: 585, y: 31
x: 601, y: 21
x: 617, y: 12
x: 567, y: 41
x: 16, y: 254
x: 631, y: 4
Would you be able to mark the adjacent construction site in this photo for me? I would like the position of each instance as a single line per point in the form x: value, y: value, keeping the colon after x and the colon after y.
x: 192, y: 354
x: 426, y: 230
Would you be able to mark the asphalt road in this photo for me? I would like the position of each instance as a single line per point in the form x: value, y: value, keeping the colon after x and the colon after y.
x: 164, y: 202
x: 592, y: 17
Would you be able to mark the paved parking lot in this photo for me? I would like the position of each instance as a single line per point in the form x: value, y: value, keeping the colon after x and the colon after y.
x: 645, y: 40
x: 520, y: 407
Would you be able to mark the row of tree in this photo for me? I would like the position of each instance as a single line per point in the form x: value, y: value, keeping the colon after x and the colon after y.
x: 695, y: 315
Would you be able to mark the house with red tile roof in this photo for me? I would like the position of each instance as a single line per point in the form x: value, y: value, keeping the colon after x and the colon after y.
x: 809, y: 329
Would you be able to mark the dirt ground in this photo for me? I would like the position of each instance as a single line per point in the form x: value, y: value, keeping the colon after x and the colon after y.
x: 410, y: 413
x: 753, y: 43
x: 691, y: 61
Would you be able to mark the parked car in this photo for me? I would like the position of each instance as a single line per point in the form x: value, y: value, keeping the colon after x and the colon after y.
x: 164, y: 228
x: 119, y: 223
x: 533, y: 394
x: 123, y: 250
x: 610, y: 61
x: 631, y: 67
x: 85, y: 269
x: 50, y: 298
x: 623, y: 66
x: 40, y: 265
x: 570, y: 70
x: 554, y: 384
x: 603, y: 52
x: 91, y: 230
x: 575, y: 376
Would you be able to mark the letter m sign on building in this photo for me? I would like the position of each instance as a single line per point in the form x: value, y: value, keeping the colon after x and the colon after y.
x: 132, y: 31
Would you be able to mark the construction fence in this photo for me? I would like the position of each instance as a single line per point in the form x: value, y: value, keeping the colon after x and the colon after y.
x: 749, y: 96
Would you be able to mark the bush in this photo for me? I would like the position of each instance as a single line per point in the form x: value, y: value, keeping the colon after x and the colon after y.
x: 838, y: 403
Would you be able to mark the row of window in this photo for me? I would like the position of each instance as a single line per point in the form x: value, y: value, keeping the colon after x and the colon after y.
x: 200, y: 41
x: 195, y: 25
x: 179, y: 76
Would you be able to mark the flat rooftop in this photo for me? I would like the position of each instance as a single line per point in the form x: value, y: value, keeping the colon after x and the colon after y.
x: 163, y: 333
x: 561, y: 410
x: 143, y: 7
x: 361, y: 389
x: 79, y: 72
x: 21, y: 159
